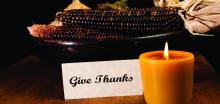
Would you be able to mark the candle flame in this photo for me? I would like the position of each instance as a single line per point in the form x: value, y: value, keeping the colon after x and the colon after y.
x: 166, y: 52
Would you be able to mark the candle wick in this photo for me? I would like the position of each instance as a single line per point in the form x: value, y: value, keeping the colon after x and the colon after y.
x: 165, y: 57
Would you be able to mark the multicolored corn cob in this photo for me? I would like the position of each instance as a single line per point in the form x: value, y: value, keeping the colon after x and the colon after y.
x: 62, y: 32
x: 136, y: 20
x: 110, y: 24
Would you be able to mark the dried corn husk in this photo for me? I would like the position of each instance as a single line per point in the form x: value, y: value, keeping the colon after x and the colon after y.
x: 165, y: 3
x: 200, y: 16
x: 76, y: 4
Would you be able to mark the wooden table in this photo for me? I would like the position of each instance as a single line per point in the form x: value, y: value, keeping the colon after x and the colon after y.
x: 33, y: 81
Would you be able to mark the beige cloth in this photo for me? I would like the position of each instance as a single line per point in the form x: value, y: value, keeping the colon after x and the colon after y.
x: 201, y: 16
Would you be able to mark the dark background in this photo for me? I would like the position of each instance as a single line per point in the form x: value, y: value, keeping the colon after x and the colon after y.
x: 17, y: 15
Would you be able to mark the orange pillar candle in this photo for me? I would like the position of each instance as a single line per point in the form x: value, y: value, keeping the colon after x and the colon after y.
x: 167, y: 78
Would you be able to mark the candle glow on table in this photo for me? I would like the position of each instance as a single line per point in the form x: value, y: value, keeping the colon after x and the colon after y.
x: 167, y: 76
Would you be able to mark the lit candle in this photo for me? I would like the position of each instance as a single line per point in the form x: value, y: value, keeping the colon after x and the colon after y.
x: 167, y: 76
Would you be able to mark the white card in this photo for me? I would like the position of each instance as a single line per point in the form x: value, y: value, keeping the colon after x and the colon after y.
x: 101, y: 79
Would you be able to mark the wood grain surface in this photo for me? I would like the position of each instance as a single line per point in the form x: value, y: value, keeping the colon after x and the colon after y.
x: 33, y: 81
